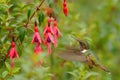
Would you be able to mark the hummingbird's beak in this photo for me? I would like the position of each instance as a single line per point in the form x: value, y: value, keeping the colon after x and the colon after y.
x: 76, y: 39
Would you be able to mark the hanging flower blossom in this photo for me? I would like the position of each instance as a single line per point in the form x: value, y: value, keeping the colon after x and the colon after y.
x: 36, y: 40
x: 65, y: 9
x: 56, y: 33
x: 12, y: 53
x: 48, y: 37
x: 48, y: 40
x: 48, y: 29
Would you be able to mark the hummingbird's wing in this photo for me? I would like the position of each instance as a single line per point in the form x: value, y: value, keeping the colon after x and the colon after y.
x: 72, y: 55
x: 76, y: 55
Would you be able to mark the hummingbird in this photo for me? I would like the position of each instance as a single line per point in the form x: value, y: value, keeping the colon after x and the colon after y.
x: 81, y: 54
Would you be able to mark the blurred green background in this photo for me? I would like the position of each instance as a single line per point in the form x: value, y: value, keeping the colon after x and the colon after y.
x: 97, y: 21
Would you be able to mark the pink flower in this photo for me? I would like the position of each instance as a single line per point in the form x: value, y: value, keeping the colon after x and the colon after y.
x: 48, y: 37
x: 56, y: 33
x: 36, y: 37
x: 48, y: 29
x: 48, y: 40
x: 36, y: 40
x: 12, y: 53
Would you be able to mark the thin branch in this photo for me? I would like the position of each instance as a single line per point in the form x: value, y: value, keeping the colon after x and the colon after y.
x: 37, y: 9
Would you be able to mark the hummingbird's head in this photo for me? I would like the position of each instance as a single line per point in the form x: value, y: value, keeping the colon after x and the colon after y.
x: 84, y: 46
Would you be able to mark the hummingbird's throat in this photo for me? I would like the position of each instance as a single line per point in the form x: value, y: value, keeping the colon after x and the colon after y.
x: 84, y: 51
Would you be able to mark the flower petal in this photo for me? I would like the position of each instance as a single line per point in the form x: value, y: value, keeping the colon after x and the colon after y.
x: 65, y: 10
x: 45, y: 30
x: 49, y: 48
x: 11, y: 54
x: 33, y: 38
x: 51, y: 38
x: 16, y: 54
x: 37, y: 48
x: 12, y: 63
x: 55, y: 41
x: 38, y: 37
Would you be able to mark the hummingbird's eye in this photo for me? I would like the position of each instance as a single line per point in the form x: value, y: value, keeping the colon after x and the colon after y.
x: 83, y: 45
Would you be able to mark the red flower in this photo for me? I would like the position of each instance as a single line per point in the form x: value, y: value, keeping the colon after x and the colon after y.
x: 36, y: 39
x: 12, y: 53
x: 48, y: 29
x: 64, y: 3
x: 56, y: 33
x: 48, y: 37
x: 65, y: 9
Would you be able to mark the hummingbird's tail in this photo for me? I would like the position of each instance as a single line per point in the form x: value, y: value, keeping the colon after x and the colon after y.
x: 98, y: 65
x: 102, y: 67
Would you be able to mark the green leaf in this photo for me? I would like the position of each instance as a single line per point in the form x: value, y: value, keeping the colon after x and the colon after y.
x: 28, y: 14
x: 16, y: 70
x: 4, y: 6
x: 7, y: 65
x: 22, y: 33
x: 10, y: 5
x: 73, y: 74
x: 50, y: 2
x: 88, y: 75
x: 4, y: 74
x: 40, y: 18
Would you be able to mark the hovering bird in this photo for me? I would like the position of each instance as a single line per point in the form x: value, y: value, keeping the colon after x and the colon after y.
x: 81, y: 55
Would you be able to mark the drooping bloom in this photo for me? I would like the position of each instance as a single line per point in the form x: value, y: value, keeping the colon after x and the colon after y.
x: 36, y: 40
x: 65, y: 9
x: 48, y: 29
x: 56, y: 33
x: 48, y: 37
x: 12, y: 53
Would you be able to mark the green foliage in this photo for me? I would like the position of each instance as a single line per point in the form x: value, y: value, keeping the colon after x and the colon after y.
x: 40, y: 18
x: 97, y: 21
x: 28, y: 14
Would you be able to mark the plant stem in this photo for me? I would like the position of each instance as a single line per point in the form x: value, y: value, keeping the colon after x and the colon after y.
x: 37, y: 9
